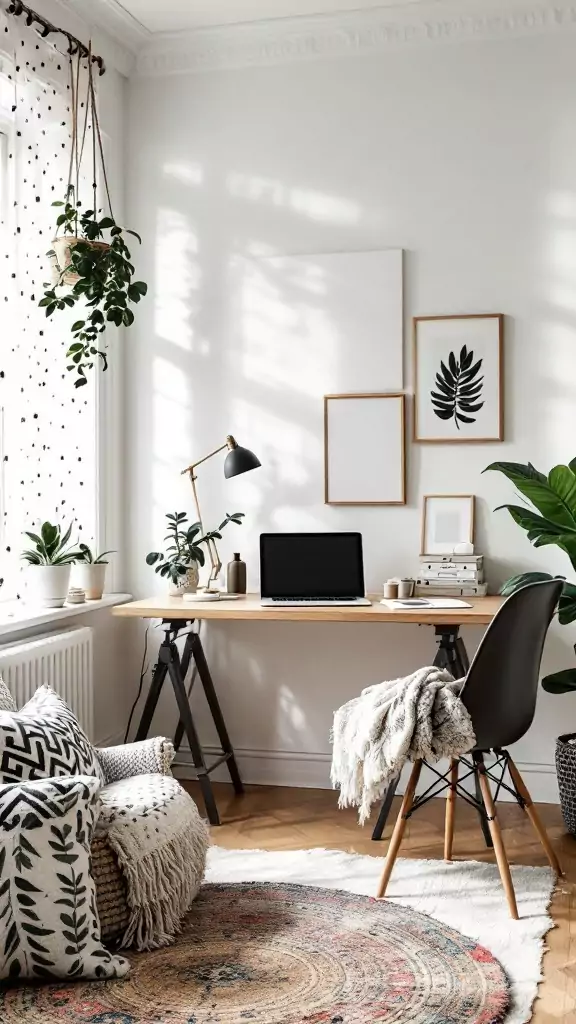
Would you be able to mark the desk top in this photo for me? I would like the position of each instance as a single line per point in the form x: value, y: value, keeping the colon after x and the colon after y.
x: 249, y: 609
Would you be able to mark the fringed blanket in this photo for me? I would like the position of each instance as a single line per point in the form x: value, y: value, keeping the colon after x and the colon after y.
x: 419, y: 716
x: 160, y: 841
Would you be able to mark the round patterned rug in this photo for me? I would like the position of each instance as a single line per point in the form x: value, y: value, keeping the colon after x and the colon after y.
x: 287, y: 954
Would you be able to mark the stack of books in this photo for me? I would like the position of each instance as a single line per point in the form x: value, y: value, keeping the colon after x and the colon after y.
x: 451, y: 576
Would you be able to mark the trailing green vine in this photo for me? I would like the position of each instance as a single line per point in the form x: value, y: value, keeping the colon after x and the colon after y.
x: 105, y: 283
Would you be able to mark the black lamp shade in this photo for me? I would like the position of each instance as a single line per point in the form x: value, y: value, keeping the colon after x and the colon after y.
x: 239, y: 460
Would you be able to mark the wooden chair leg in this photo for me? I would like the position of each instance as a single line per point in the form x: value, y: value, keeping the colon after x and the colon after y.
x: 450, y: 809
x: 534, y: 818
x: 399, y: 829
x: 501, y: 858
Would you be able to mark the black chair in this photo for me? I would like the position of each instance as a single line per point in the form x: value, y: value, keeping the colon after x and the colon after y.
x: 500, y: 694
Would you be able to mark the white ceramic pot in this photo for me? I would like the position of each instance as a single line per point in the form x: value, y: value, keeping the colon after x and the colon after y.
x: 187, y: 584
x: 49, y: 584
x: 91, y: 576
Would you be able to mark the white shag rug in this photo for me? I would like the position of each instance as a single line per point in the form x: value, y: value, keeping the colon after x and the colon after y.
x: 466, y: 895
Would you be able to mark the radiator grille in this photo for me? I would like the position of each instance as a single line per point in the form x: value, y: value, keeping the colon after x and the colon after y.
x: 63, y: 660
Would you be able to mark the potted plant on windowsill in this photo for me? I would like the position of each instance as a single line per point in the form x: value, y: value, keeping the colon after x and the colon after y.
x: 179, y: 564
x: 553, y: 522
x: 89, y: 572
x: 50, y: 560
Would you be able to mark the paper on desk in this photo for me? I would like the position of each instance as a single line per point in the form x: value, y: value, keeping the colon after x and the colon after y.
x: 424, y: 603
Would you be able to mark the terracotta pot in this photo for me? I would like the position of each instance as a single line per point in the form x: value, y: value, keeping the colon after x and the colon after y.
x: 62, y: 247
x: 187, y: 584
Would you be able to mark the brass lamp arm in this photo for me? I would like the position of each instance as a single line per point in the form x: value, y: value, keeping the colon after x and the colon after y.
x: 230, y: 443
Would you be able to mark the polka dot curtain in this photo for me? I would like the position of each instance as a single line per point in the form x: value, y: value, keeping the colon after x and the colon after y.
x: 48, y: 432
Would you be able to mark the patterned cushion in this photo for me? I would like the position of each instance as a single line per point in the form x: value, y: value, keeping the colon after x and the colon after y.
x: 142, y: 758
x: 50, y: 926
x: 6, y: 699
x: 44, y: 740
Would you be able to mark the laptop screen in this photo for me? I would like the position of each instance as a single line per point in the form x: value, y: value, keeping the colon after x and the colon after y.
x: 311, y: 565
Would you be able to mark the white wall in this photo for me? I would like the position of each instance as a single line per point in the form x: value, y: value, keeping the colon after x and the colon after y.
x: 465, y: 156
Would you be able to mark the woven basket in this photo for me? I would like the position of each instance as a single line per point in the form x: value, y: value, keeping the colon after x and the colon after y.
x: 566, y: 769
x: 110, y: 891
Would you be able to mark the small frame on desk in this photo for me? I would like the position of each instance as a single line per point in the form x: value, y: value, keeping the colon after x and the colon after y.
x: 447, y: 520
x: 364, y: 450
x: 458, y: 370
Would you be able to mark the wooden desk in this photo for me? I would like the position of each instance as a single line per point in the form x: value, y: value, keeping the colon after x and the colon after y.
x: 249, y: 609
x: 178, y: 615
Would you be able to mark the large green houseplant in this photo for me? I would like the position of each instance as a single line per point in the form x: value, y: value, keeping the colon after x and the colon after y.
x: 551, y: 521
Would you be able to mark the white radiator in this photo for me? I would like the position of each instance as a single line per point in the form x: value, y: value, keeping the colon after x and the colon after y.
x: 63, y: 660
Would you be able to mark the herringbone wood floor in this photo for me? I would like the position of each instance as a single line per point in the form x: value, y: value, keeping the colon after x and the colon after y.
x: 276, y: 818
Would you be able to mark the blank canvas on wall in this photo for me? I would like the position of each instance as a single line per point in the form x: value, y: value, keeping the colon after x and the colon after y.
x: 335, y: 319
x: 364, y: 450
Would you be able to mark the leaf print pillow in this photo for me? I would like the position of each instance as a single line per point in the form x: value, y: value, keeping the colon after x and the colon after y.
x: 49, y: 924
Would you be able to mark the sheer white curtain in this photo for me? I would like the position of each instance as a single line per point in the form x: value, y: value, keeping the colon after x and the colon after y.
x: 48, y: 431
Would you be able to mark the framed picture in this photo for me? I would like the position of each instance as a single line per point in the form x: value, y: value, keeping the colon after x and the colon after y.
x: 458, y: 373
x: 364, y: 450
x: 447, y: 520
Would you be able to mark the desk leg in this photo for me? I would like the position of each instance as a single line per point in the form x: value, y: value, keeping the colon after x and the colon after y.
x: 451, y: 655
x: 216, y: 711
x: 152, y: 698
x: 170, y: 653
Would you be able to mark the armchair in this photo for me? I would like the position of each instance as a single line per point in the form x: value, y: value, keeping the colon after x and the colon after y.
x: 148, y: 757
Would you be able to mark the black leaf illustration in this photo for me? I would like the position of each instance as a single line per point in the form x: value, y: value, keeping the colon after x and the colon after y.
x: 458, y: 388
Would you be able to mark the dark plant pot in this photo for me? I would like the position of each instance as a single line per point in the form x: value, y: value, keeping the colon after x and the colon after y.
x: 566, y: 769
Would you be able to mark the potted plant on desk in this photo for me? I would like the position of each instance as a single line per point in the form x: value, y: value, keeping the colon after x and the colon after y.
x: 184, y: 554
x: 551, y: 521
x: 51, y: 560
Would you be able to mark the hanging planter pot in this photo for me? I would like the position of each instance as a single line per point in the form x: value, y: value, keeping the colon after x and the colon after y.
x: 60, y: 257
x: 90, y: 262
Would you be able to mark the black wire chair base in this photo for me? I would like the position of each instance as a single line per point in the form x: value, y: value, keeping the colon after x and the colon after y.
x: 474, y: 763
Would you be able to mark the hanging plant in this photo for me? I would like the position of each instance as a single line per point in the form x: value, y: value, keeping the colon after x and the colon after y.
x: 90, y: 259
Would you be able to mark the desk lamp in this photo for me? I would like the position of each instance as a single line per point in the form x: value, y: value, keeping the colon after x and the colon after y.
x: 238, y: 460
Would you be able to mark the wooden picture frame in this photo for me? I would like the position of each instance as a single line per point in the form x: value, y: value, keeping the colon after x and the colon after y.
x: 441, y: 414
x: 462, y: 504
x: 365, y: 449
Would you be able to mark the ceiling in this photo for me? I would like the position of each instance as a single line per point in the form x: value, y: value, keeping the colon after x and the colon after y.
x: 179, y: 15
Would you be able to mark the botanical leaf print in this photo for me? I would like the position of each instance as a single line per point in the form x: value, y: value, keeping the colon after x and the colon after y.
x: 458, y: 388
x: 49, y: 924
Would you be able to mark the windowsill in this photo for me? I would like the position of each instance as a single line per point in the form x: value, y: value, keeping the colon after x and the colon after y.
x: 17, y: 616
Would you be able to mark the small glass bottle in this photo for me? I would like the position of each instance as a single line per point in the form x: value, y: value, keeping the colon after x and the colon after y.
x: 236, y: 575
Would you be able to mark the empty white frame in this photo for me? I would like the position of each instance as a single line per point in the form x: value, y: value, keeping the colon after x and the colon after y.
x: 447, y: 520
x: 336, y: 318
x: 364, y: 450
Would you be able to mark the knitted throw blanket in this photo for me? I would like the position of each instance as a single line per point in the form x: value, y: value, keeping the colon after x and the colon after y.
x: 419, y: 716
x: 160, y: 841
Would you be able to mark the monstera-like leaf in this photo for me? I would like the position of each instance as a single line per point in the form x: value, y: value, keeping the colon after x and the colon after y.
x: 458, y: 388
x: 554, y: 522
x: 554, y: 498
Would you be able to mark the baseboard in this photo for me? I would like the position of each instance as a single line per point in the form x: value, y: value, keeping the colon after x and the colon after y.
x: 312, y: 771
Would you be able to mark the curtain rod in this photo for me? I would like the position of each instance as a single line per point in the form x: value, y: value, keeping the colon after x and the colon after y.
x: 74, y: 45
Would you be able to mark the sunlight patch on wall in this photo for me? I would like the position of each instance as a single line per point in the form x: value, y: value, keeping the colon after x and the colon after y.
x: 171, y: 430
x: 178, y: 279
x: 275, y: 319
x: 188, y: 174
x: 318, y: 206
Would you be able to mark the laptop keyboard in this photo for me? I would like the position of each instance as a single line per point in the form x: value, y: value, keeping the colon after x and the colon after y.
x: 283, y: 600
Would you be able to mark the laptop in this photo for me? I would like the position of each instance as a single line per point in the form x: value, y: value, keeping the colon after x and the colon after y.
x: 311, y: 569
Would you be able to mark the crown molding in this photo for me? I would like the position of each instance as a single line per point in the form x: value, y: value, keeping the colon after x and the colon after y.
x: 367, y: 32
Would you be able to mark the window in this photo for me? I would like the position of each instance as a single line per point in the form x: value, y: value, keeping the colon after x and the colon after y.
x: 48, y: 431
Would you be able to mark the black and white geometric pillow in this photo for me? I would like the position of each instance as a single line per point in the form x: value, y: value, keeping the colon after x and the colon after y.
x: 6, y: 698
x: 49, y: 922
x: 44, y: 740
